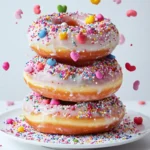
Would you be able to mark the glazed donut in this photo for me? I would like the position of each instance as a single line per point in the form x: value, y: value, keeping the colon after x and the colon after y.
x: 52, y: 79
x: 71, y: 37
x: 58, y: 117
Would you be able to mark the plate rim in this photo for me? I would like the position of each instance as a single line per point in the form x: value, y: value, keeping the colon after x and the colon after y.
x: 75, y: 146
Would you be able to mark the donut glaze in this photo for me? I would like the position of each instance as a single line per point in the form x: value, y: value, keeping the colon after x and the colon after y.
x: 100, y: 79
x: 67, y: 32
x: 73, y: 118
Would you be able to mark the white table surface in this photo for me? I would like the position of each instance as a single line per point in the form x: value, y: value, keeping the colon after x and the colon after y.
x: 143, y: 144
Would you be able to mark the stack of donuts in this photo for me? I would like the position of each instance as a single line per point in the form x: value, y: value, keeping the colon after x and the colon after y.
x: 74, y: 76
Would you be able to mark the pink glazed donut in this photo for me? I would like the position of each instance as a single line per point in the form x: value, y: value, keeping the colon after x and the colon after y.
x: 73, y: 37
x: 52, y: 79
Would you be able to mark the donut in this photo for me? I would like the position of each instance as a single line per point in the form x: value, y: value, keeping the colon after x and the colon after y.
x: 73, y: 37
x: 52, y: 79
x: 69, y: 118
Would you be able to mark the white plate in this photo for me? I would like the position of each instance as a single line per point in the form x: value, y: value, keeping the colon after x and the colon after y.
x: 127, y: 132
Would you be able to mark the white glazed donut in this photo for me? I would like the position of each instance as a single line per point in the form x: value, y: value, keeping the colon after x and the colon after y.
x: 70, y: 37
x: 59, y: 117
x: 70, y: 83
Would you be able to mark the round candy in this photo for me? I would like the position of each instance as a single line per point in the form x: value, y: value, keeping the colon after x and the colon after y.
x: 51, y: 62
x: 42, y: 33
x: 54, y: 102
x: 20, y: 129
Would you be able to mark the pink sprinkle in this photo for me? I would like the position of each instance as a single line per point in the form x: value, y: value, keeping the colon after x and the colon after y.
x: 37, y: 9
x: 81, y: 38
x: 18, y: 14
x: 131, y: 13
x: 98, y: 75
x: 9, y: 121
x: 75, y: 56
x: 141, y: 102
x: 54, y: 102
x: 6, y: 66
x: 117, y: 1
x: 10, y: 103
x: 136, y: 85
x: 100, y: 17
x: 122, y: 39
x: 28, y: 69
x: 45, y: 101
x: 36, y: 94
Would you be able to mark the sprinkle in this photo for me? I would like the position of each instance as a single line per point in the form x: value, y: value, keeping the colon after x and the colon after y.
x: 110, y: 56
x: 20, y: 129
x: 99, y: 17
x: 95, y: 2
x: 131, y: 13
x: 18, y: 14
x: 90, y: 19
x: 10, y: 103
x: 98, y: 75
x: 141, y: 102
x: 51, y: 62
x: 37, y: 9
x: 45, y: 101
x: 63, y: 36
x: 40, y: 66
x: 117, y: 1
x: 121, y: 39
x: 129, y: 67
x: 64, y: 25
x: 9, y: 121
x: 61, y: 8
x: 42, y: 33
x: 54, y: 102
x: 136, y: 85
x: 81, y: 38
x: 138, y: 120
x: 28, y: 69
x: 6, y: 66
x: 75, y: 56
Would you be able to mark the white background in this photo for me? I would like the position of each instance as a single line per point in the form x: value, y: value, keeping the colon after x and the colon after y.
x: 14, y: 46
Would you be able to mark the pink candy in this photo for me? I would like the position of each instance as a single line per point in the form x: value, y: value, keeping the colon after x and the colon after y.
x: 131, y: 13
x: 6, y: 66
x: 36, y: 94
x: 122, y: 39
x: 45, y: 101
x: 142, y: 102
x: 99, y: 17
x: 75, y: 56
x: 98, y: 75
x: 117, y: 1
x: 136, y: 85
x: 37, y: 9
x: 81, y: 38
x: 28, y: 69
x: 54, y: 102
x: 10, y: 103
x: 18, y: 14
x: 9, y: 121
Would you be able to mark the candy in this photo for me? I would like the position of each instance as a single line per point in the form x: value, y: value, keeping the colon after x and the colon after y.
x: 141, y: 102
x: 98, y: 75
x: 110, y: 56
x: 100, y: 17
x: 42, y: 33
x: 45, y: 101
x: 9, y: 121
x: 117, y: 1
x: 90, y: 19
x: 61, y: 8
x: 64, y: 25
x: 63, y: 36
x: 6, y: 66
x: 10, y: 103
x: 95, y: 2
x: 54, y: 102
x: 136, y: 85
x: 138, y: 120
x: 130, y: 67
x: 40, y: 66
x: 18, y: 14
x: 81, y: 38
x: 121, y: 39
x: 20, y: 129
x: 28, y: 69
x: 131, y: 13
x: 51, y: 62
x: 37, y: 9
x: 75, y: 56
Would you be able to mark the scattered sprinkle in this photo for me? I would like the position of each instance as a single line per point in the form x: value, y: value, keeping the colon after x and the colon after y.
x: 54, y: 102
x: 63, y: 35
x: 136, y: 85
x: 21, y: 129
x: 110, y: 56
x: 62, y: 8
x: 121, y: 39
x: 90, y: 19
x: 18, y: 14
x: 95, y: 2
x: 37, y: 9
x: 118, y: 1
x: 141, y: 102
x: 81, y: 38
x: 138, y: 120
x: 6, y: 66
x: 100, y: 17
x: 74, y: 56
x: 42, y: 33
x: 99, y: 75
x: 131, y: 13
x: 129, y: 67
x: 51, y: 62
x: 10, y: 103
x: 28, y: 69
x: 9, y: 121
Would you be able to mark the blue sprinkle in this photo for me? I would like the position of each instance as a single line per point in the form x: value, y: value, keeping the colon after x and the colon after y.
x: 51, y: 62
x: 110, y: 56
x: 42, y: 33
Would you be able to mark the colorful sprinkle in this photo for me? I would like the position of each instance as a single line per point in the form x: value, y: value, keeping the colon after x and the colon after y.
x: 131, y: 13
x: 90, y: 19
x: 21, y: 129
x: 37, y: 9
x: 136, y: 85
x: 62, y: 8
x: 129, y: 67
x: 6, y: 66
x: 141, y: 102
x: 121, y: 39
x: 75, y: 56
x: 138, y: 120
x: 45, y: 101
x: 18, y: 14
x: 42, y: 33
x: 54, y: 102
x: 81, y: 38
x: 40, y: 66
x: 118, y: 1
x: 99, y: 75
x: 28, y: 69
x: 51, y: 62
x: 100, y: 17
x: 110, y: 56
x: 9, y: 121
x: 95, y: 2
x: 63, y: 35
x: 10, y: 103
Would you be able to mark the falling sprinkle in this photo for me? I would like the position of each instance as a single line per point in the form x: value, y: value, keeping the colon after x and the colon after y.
x: 121, y: 39
x: 117, y: 1
x: 141, y: 102
x: 129, y: 67
x: 10, y: 103
x: 136, y: 85
x: 18, y: 14
x: 131, y: 13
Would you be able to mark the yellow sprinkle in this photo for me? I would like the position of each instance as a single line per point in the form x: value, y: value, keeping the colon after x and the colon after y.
x: 21, y: 129
x: 63, y: 36
x: 96, y: 2
x: 47, y: 17
x: 90, y: 19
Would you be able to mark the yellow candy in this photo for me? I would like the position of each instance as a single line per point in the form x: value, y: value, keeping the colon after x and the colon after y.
x: 96, y: 2
x: 90, y: 19
x: 21, y: 129
x: 63, y: 36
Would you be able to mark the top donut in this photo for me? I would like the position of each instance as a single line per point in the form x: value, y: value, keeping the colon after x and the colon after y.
x: 73, y: 37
